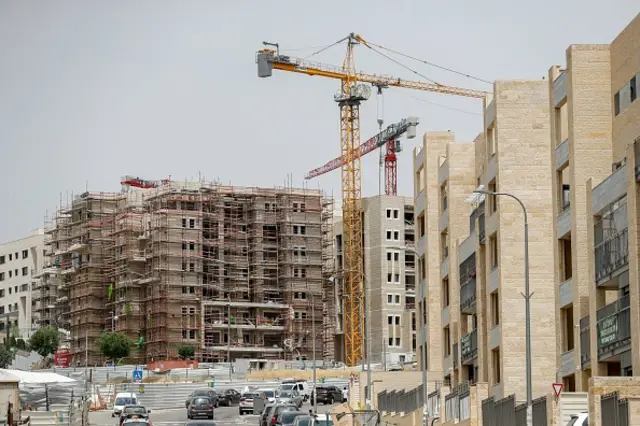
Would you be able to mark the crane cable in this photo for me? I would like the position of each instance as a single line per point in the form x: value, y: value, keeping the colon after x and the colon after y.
x: 325, y: 48
x: 369, y: 44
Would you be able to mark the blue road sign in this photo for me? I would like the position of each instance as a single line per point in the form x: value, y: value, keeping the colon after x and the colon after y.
x: 137, y: 375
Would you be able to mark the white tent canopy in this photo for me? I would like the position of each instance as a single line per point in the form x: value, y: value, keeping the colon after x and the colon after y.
x: 33, y: 377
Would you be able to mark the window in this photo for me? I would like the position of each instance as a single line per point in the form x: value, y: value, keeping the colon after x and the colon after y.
x: 396, y: 235
x: 300, y: 295
x: 388, y: 235
x: 446, y: 345
x: 396, y: 213
x: 495, y: 363
x: 299, y: 272
x: 10, y: 256
x: 389, y: 299
x: 2, y: 293
x: 388, y: 213
x: 445, y: 292
x: 397, y: 299
x: 389, y: 278
x: 493, y: 246
x: 390, y: 319
x: 632, y: 89
x: 25, y: 254
x: 299, y: 229
x: 495, y: 309
x: 567, y: 323
x: 184, y: 223
x: 300, y: 251
x: 192, y: 267
x: 25, y: 271
x: 396, y: 256
x: 1, y: 276
x: 2, y: 260
x: 10, y: 274
x: 389, y: 256
x: 443, y: 198
x: 492, y: 136
x: 192, y: 223
x: 493, y: 202
x: 421, y: 225
x: 396, y: 278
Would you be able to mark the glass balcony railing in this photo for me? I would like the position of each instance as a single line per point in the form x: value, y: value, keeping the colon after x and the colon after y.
x: 469, y: 346
x: 468, y: 295
x: 614, y: 325
x: 455, y: 355
x: 612, y: 254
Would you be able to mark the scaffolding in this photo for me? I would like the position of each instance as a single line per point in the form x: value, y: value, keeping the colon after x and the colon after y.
x: 231, y: 271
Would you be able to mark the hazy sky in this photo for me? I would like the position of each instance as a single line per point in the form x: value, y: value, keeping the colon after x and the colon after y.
x: 93, y: 90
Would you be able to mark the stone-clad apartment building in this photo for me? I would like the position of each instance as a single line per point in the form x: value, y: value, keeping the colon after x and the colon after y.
x: 569, y: 148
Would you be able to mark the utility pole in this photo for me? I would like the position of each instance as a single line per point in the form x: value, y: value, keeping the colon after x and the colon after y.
x: 527, y: 297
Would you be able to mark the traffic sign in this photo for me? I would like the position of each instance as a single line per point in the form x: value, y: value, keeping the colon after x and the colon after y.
x: 137, y: 375
x: 557, y: 389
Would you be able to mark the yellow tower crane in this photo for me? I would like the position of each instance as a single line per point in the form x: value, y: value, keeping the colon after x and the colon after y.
x: 354, y: 88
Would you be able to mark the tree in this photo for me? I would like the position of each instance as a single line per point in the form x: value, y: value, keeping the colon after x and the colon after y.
x: 6, y: 356
x: 21, y: 344
x: 115, y: 345
x: 45, y: 341
x: 186, y: 352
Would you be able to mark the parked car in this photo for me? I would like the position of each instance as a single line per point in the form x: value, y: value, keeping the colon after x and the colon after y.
x: 137, y: 422
x: 290, y: 397
x: 265, y: 413
x: 228, y: 397
x: 209, y: 393
x: 269, y: 395
x: 286, y: 418
x: 327, y: 394
x: 581, y: 419
x: 200, y: 406
x: 321, y: 420
x: 300, y: 385
x: 302, y: 420
x: 122, y: 400
x: 134, y: 412
x: 275, y: 410
x: 245, y: 404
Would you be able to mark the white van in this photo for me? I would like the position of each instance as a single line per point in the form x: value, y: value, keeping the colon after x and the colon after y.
x: 122, y: 400
x: 300, y: 385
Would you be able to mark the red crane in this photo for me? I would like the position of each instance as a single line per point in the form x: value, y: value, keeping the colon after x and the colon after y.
x: 388, y: 137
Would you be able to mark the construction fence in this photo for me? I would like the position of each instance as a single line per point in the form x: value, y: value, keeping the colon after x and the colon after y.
x: 401, y: 401
x: 614, y: 410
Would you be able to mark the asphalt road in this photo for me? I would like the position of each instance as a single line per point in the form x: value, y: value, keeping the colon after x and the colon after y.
x: 224, y: 416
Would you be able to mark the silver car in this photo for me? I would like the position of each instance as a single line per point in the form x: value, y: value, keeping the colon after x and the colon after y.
x: 290, y: 397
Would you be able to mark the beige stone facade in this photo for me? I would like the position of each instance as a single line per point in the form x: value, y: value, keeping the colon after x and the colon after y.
x: 595, y: 128
x: 475, y: 257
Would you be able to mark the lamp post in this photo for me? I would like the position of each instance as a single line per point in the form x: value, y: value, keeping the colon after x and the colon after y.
x: 527, y: 294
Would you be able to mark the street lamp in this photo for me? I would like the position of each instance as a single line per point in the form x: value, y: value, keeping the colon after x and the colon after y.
x: 527, y: 294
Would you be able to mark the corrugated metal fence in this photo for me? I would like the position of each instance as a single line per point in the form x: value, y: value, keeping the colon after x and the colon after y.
x: 401, y: 401
x: 457, y: 405
x: 499, y: 413
x: 76, y: 413
x: 614, y: 410
x: 539, y: 411
x: 521, y: 414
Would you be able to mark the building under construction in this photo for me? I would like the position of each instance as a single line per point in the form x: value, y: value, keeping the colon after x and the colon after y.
x: 234, y: 272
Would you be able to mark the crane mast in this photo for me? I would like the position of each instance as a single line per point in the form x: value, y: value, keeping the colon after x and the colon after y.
x: 355, y: 87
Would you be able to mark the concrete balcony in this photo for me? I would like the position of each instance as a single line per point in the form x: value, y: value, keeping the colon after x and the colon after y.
x: 560, y: 88
x: 490, y: 114
x: 419, y: 202
x: 444, y: 220
x: 563, y: 226
x: 494, y: 277
x: 468, y: 246
x: 418, y: 160
x: 444, y: 268
x: 469, y: 347
x: 614, y: 329
x: 495, y: 336
x: 566, y: 293
x: 562, y: 154
x: 445, y: 316
x: 609, y: 190
x: 443, y: 171
x: 567, y: 363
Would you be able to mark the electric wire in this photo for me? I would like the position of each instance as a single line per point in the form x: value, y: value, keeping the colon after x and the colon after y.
x: 415, y: 98
x: 430, y: 63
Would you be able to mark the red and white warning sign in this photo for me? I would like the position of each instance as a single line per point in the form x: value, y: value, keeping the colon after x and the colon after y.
x: 557, y: 389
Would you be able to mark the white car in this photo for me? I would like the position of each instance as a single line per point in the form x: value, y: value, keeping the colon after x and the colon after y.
x: 301, y: 386
x: 123, y: 399
x: 269, y: 395
x: 581, y: 419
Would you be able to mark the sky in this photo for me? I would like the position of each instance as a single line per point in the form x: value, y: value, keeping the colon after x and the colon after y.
x: 92, y: 91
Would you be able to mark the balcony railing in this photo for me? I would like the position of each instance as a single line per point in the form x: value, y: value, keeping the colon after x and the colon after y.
x: 475, y: 214
x: 612, y: 254
x: 469, y: 346
x: 614, y: 325
x: 468, y: 296
x: 455, y: 355
x: 585, y: 346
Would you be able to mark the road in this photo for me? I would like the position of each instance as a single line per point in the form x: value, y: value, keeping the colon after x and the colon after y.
x: 224, y: 416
